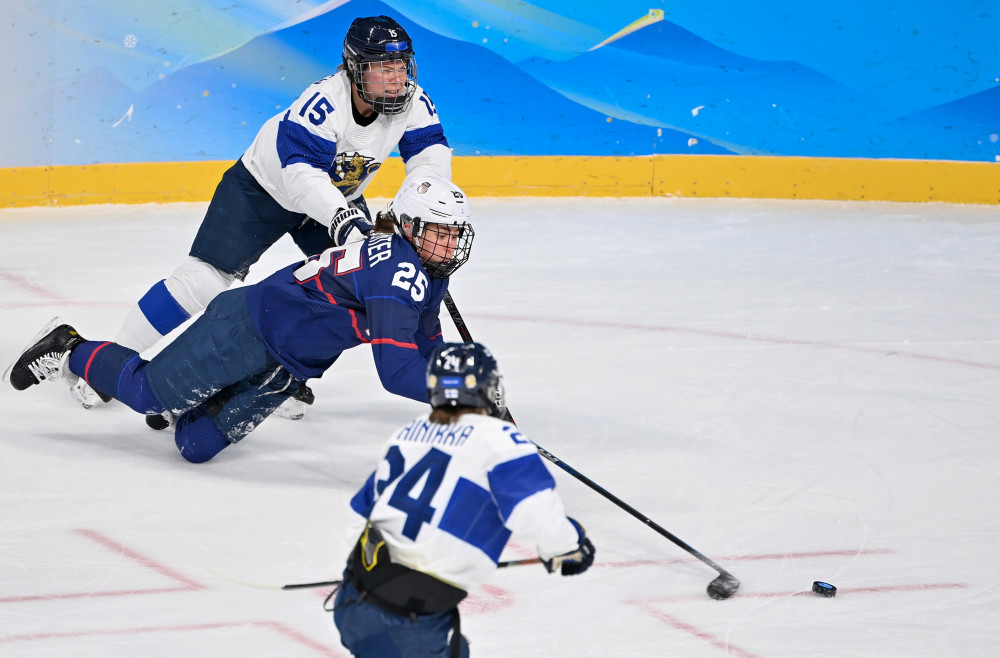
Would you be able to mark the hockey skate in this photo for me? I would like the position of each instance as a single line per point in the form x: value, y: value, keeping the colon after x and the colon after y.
x: 86, y: 396
x: 294, y: 408
x: 46, y: 358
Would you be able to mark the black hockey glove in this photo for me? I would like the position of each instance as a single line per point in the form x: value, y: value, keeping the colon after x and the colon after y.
x: 348, y: 225
x: 576, y: 561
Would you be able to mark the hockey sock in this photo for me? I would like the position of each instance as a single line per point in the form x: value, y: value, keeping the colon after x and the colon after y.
x: 116, y: 371
x: 161, y: 309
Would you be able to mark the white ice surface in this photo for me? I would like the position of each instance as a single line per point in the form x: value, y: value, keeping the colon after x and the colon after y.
x: 800, y: 390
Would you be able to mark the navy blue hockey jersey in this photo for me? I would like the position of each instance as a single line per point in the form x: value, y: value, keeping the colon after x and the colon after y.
x: 371, y: 291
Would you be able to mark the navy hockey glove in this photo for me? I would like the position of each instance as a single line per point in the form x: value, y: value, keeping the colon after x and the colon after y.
x: 348, y: 225
x: 576, y: 561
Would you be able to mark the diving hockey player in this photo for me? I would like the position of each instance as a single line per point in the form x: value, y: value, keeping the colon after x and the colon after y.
x: 247, y: 353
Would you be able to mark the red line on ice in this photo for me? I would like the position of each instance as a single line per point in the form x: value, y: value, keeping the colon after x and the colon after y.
x: 139, y: 558
x: 32, y: 288
x: 81, y: 595
x: 762, y: 556
x: 277, y: 627
x: 187, y: 585
x: 846, y: 591
x: 746, y: 337
x: 730, y: 649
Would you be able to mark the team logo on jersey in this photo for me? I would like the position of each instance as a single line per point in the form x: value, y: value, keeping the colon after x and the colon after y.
x: 350, y: 170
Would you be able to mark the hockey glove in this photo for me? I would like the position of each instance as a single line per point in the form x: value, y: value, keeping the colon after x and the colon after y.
x: 348, y: 225
x: 576, y: 561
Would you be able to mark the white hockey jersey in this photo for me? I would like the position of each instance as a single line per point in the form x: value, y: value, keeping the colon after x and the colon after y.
x: 447, y: 498
x: 313, y: 157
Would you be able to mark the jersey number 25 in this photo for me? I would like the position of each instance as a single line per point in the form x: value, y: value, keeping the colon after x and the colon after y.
x: 410, y: 278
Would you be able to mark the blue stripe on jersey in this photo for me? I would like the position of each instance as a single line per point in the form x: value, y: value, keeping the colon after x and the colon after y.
x: 296, y: 144
x: 364, y: 500
x: 391, y: 298
x: 472, y: 516
x: 515, y: 480
x: 415, y: 141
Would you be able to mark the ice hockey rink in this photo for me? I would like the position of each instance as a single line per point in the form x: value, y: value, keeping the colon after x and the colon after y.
x: 800, y: 390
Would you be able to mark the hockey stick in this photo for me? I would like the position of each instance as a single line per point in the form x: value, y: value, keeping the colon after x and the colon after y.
x: 328, y: 583
x: 722, y: 587
x: 324, y: 583
x: 519, y: 563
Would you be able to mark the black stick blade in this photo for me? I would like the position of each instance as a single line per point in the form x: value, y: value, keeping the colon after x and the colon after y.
x: 723, y: 587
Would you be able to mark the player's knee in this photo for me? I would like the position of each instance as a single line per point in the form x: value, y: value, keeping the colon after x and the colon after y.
x: 195, y: 283
x: 197, y: 438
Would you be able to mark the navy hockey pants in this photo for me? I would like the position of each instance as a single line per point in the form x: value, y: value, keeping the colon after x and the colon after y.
x: 217, y: 376
x: 368, y: 631
x: 220, y: 377
x: 243, y: 221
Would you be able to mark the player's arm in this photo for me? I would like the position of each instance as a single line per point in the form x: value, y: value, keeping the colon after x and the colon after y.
x: 423, y: 146
x: 393, y: 324
x: 525, y: 493
x: 307, y: 145
x: 364, y: 500
x: 430, y: 338
x: 429, y: 334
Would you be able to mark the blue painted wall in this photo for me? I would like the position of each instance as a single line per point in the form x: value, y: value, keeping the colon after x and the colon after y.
x: 182, y: 80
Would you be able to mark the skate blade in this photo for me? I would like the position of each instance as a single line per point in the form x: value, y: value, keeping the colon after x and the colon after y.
x: 52, y: 324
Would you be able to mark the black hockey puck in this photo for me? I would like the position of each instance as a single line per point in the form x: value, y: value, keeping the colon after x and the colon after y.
x: 157, y: 421
x: 826, y: 590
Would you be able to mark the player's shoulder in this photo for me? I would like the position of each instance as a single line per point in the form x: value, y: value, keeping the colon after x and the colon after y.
x: 420, y: 91
x: 422, y: 110
x: 336, y: 83
x: 503, y: 434
x: 392, y: 266
x: 324, y: 103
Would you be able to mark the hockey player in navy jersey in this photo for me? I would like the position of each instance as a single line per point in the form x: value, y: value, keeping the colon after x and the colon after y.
x: 451, y: 487
x: 253, y: 344
x: 340, y: 131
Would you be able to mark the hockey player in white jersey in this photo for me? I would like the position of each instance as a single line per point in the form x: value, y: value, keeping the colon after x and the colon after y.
x: 340, y: 131
x: 451, y: 488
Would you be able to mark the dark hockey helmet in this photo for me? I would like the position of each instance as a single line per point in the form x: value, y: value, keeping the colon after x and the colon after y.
x: 375, y: 46
x: 431, y: 211
x: 465, y: 375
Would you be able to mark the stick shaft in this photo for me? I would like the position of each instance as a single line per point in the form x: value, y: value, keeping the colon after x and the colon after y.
x: 518, y: 563
x: 463, y: 331
x: 305, y: 585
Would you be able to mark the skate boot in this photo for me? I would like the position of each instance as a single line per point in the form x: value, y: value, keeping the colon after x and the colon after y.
x: 294, y: 407
x: 85, y: 396
x: 47, y: 358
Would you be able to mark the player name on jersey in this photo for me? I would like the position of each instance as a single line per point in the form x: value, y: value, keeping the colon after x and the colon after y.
x: 424, y: 431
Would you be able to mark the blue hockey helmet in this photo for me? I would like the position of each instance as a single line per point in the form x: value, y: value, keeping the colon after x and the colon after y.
x: 374, y: 47
x: 465, y: 375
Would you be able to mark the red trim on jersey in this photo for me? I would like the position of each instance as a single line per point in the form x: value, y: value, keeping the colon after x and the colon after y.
x: 319, y: 287
x: 86, y: 369
x: 354, y: 323
x: 381, y: 341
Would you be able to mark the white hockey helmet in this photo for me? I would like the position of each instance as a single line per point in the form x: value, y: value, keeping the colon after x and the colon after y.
x: 432, y: 200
